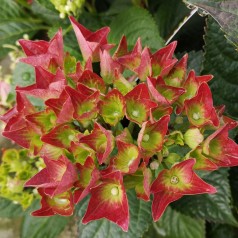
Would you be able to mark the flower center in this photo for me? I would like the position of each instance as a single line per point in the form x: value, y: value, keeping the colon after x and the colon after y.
x: 71, y: 137
x: 52, y: 119
x: 174, y: 180
x: 135, y: 113
x: 146, y: 137
x: 131, y: 161
x: 61, y: 201
x: 114, y: 191
x: 196, y: 116
x: 115, y: 114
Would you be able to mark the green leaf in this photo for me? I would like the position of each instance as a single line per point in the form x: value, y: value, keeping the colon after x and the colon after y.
x: 14, y: 23
x: 133, y: 23
x: 42, y: 227
x: 168, y: 18
x: 140, y: 219
x: 8, y: 209
x: 118, y: 6
x: 24, y: 75
x: 221, y: 60
x: 195, y: 61
x: 45, y: 11
x: 224, y: 12
x: 47, y: 4
x: 234, y: 186
x: 216, y: 207
x: 176, y: 225
x: 221, y: 231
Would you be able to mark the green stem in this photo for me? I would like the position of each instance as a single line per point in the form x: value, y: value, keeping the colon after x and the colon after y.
x: 67, y: 30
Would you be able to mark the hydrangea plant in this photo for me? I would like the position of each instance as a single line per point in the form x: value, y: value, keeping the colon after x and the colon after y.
x: 117, y: 121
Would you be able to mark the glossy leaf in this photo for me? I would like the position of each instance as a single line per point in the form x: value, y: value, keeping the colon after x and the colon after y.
x: 133, y: 23
x: 224, y: 12
x: 9, y: 209
x: 216, y: 207
x: 176, y: 225
x: 14, y: 23
x: 221, y: 60
x: 34, y: 227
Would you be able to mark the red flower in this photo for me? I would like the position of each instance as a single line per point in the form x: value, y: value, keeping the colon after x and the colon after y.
x: 172, y: 184
x: 41, y: 53
x: 151, y: 136
x: 191, y: 86
x: 132, y: 60
x: 200, y: 110
x: 128, y: 157
x: 100, y: 140
x: 62, y: 106
x: 108, y: 200
x: 47, y: 84
x: 88, y: 178
x: 61, y: 136
x: 84, y: 101
x: 91, y: 43
x: 61, y: 204
x: 58, y: 177
x: 221, y: 150
x: 203, y: 162
x: 177, y: 74
x: 162, y: 93
x: 162, y: 61
x: 112, y: 107
x: 138, y: 104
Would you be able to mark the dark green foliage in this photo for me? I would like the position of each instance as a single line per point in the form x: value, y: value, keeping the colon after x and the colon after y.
x: 216, y: 207
x: 221, y: 60
x: 176, y: 225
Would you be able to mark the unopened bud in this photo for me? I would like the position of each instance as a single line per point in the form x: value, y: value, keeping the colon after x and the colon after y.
x: 193, y: 137
x: 154, y: 165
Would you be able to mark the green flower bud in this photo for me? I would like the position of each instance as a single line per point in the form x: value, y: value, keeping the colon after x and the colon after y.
x: 193, y: 137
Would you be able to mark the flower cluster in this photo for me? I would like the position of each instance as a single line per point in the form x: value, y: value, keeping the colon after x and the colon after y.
x: 68, y: 7
x: 15, y: 169
x: 115, y: 122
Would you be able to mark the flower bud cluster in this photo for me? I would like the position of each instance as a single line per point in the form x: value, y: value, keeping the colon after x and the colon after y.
x: 15, y: 169
x: 68, y: 7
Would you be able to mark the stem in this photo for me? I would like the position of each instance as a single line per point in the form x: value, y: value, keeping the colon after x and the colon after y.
x: 69, y: 28
x: 181, y: 25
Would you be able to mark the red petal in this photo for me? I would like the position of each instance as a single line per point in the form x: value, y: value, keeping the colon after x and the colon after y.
x: 32, y: 48
x: 92, y: 80
x: 115, y: 210
x: 60, y: 136
x: 104, y: 149
x: 144, y: 69
x: 122, y: 48
x: 222, y: 150
x: 161, y: 201
x: 201, y: 106
x: 88, y: 177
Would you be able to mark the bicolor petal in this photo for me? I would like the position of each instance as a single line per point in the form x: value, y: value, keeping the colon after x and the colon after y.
x: 101, y: 141
x: 108, y: 200
x: 200, y: 110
